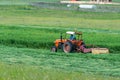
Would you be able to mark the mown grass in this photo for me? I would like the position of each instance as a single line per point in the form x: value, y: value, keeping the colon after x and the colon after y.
x: 24, y: 62
x: 22, y: 72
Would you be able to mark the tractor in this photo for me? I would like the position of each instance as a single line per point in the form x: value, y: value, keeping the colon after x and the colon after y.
x: 66, y: 44
x: 75, y: 44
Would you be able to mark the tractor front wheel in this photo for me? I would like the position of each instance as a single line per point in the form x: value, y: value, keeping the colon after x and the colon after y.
x: 53, y: 49
x: 67, y: 47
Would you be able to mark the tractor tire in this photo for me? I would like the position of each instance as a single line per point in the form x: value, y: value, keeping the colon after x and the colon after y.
x: 60, y: 45
x: 53, y: 49
x: 67, y: 47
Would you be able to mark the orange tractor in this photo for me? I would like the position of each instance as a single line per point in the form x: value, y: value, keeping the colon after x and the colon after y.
x: 68, y: 44
x: 75, y: 44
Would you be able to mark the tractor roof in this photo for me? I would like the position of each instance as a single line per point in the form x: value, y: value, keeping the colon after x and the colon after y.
x: 71, y: 32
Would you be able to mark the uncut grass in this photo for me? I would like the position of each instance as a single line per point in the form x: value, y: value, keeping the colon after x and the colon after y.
x: 105, y: 65
x: 26, y: 36
x: 45, y: 37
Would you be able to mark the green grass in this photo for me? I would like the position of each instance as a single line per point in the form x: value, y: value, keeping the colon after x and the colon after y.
x: 31, y: 27
x: 26, y: 26
x: 44, y: 37
x: 23, y: 62
x: 22, y: 72
x: 27, y: 15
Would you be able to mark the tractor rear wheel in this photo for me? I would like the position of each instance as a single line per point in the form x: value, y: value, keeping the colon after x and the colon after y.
x: 54, y: 49
x: 67, y: 47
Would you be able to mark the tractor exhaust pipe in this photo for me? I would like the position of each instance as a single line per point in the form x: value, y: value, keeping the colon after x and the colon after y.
x: 61, y: 37
x: 60, y: 44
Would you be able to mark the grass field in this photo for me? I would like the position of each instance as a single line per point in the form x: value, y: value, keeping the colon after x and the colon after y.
x: 28, y: 32
x: 24, y: 63
x: 29, y: 21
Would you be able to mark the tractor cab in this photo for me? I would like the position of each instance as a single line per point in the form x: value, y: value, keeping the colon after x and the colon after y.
x: 71, y: 36
x: 74, y: 35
